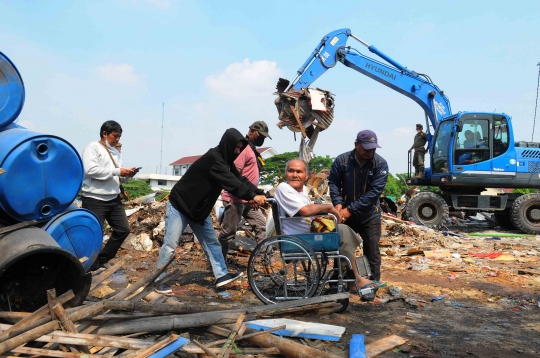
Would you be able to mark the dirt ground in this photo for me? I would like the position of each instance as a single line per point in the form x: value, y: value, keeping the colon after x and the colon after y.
x: 466, y: 307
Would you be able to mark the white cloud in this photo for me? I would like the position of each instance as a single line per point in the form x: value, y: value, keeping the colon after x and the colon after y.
x: 120, y: 73
x: 245, y: 80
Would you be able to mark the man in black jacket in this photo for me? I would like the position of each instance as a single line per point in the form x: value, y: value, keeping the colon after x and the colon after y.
x: 356, y: 181
x: 193, y: 197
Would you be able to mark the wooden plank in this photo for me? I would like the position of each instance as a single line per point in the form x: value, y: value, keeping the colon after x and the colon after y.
x: 375, y: 349
x: 156, y: 347
x: 52, y: 353
x: 299, y: 122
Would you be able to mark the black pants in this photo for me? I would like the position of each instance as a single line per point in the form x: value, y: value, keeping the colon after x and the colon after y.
x: 113, y: 211
x: 370, y: 231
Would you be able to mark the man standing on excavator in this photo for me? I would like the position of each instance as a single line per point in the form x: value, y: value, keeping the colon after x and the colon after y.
x: 420, y: 140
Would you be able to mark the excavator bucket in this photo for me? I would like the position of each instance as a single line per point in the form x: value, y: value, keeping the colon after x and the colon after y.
x: 304, y: 110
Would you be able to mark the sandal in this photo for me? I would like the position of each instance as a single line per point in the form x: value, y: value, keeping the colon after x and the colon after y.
x: 373, y: 285
x: 376, y: 287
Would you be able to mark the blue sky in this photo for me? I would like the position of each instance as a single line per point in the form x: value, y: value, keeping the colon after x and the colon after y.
x: 215, y: 64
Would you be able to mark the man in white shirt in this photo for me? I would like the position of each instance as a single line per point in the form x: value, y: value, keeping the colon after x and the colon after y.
x: 101, y: 187
x: 293, y: 199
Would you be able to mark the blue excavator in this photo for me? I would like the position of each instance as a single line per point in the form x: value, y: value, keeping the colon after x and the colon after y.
x: 461, y: 170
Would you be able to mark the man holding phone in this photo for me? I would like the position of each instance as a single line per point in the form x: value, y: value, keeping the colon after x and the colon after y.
x: 101, y: 188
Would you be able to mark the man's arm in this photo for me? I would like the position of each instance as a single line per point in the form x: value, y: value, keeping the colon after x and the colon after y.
x: 373, y: 191
x: 234, y: 183
x: 335, y: 183
x: 313, y: 209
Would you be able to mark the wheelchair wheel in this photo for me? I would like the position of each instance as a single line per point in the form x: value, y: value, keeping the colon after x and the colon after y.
x: 283, y: 268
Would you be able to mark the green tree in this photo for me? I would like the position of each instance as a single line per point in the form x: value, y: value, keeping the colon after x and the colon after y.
x: 274, y: 169
x: 395, y: 185
x: 319, y: 163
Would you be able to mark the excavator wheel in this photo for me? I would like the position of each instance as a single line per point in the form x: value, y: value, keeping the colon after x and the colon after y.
x: 427, y: 208
x: 503, y: 219
x: 525, y: 213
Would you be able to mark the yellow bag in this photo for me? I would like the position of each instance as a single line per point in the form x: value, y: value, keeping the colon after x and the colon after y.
x: 322, y: 224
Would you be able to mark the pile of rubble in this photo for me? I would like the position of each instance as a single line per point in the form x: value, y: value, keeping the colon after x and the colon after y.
x: 134, y: 321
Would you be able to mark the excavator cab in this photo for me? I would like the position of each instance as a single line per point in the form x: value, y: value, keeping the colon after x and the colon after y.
x: 472, y: 149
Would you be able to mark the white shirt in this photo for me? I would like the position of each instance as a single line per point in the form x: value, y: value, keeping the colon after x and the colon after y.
x: 101, y: 177
x: 290, y: 202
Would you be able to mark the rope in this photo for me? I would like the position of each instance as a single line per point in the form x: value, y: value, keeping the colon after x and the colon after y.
x: 536, y: 106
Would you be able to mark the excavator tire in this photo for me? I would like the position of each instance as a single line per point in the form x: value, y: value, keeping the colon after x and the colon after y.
x: 525, y: 213
x: 427, y: 208
x: 503, y: 219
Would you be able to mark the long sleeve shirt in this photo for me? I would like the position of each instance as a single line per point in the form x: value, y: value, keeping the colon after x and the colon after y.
x: 356, y: 187
x: 101, y: 177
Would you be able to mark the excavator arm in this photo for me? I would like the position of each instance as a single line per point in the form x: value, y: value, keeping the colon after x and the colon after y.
x: 332, y: 49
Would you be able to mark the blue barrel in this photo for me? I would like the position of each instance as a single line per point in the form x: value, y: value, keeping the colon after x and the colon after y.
x: 43, y: 176
x: 11, y: 92
x: 78, y: 231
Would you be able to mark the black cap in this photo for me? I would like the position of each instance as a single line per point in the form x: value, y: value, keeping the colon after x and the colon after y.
x: 419, y: 125
x: 261, y: 127
x: 368, y: 139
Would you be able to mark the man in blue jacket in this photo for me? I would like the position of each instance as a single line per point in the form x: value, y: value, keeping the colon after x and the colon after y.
x: 357, y: 179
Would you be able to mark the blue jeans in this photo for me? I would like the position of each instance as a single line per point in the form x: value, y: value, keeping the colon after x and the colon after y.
x: 175, y: 224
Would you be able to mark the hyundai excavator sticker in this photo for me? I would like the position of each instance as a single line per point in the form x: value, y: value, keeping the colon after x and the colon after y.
x: 439, y: 107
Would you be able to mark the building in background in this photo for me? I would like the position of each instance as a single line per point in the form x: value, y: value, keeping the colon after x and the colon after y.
x: 182, y: 165
x: 160, y: 181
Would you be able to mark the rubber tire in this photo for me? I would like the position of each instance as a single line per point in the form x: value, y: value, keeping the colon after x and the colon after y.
x: 520, y: 214
x: 504, y: 220
x: 431, y: 200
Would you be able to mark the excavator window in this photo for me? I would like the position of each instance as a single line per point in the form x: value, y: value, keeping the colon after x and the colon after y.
x: 441, y: 146
x: 472, y: 143
x: 500, y: 137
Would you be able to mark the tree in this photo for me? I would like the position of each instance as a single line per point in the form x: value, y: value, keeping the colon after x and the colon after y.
x: 395, y: 186
x: 274, y: 170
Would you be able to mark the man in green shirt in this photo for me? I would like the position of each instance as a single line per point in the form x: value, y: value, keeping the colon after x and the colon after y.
x: 420, y: 140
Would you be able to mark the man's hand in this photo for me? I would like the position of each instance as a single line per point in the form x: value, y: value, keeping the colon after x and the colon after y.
x: 259, y: 199
x: 338, y: 207
x: 345, y: 214
x: 334, y: 211
x: 124, y: 172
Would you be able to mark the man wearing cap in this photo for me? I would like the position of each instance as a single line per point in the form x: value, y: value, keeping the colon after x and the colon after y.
x: 420, y: 140
x: 356, y: 181
x: 249, y: 164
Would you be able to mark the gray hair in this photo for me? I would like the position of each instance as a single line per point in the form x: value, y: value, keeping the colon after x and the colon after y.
x: 306, y: 165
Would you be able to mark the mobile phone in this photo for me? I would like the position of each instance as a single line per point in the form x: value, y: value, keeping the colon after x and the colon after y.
x: 137, y: 169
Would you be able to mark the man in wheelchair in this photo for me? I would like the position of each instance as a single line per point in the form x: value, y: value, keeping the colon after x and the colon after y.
x: 293, y: 199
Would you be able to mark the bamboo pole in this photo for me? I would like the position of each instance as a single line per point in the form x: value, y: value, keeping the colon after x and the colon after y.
x: 287, y: 347
x: 39, y: 331
x: 205, y: 349
x: 232, y: 336
x: 258, y: 333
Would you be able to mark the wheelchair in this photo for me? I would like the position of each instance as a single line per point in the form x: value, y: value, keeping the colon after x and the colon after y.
x: 293, y: 267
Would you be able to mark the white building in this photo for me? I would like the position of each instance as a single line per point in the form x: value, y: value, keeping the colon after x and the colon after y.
x: 160, y: 181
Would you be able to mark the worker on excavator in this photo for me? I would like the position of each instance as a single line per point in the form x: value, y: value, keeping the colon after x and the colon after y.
x: 420, y: 140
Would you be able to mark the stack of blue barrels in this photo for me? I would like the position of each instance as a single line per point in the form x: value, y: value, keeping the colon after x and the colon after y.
x: 42, y: 175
